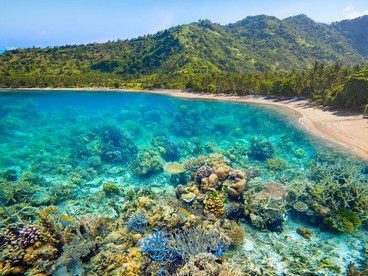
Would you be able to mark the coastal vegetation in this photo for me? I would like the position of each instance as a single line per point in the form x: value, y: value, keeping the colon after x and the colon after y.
x: 257, y: 55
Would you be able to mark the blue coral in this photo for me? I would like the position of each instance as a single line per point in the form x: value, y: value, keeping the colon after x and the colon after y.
x: 196, y: 241
x: 158, y: 247
x: 138, y: 223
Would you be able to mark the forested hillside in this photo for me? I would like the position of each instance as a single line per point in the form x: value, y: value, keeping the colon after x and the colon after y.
x: 259, y: 54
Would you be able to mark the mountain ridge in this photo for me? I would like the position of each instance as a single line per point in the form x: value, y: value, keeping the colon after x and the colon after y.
x: 256, y: 43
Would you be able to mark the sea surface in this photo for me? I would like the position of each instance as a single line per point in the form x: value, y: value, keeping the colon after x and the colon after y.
x: 108, y: 155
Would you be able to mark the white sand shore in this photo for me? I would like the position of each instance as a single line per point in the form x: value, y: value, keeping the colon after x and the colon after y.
x: 346, y: 128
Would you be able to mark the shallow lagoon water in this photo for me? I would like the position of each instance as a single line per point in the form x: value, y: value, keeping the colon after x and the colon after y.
x: 64, y: 146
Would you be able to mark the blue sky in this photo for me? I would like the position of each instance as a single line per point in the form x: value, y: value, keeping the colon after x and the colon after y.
x: 41, y: 23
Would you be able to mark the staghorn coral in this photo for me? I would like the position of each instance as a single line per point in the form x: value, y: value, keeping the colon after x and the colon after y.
x: 276, y: 164
x: 77, y: 251
x: 337, y: 186
x: 235, y: 233
x: 158, y: 246
x: 206, y: 264
x: 138, y: 223
x: 344, y: 220
x: 196, y: 240
x: 214, y: 205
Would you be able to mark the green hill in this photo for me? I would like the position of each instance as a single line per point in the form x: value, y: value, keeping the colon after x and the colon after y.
x: 355, y: 31
x: 254, y: 44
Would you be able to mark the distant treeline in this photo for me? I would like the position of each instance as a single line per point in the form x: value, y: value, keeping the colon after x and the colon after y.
x: 334, y: 85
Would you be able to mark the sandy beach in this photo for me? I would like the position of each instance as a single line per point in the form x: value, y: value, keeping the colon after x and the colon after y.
x: 349, y: 129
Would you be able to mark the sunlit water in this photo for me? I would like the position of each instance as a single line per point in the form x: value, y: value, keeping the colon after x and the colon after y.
x: 81, y: 140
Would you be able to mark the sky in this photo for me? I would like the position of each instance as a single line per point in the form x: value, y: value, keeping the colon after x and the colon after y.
x: 42, y: 23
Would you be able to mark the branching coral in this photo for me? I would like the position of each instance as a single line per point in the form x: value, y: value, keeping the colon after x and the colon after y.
x: 138, y: 223
x: 75, y: 252
x: 196, y: 241
x: 158, y: 247
x: 338, y: 186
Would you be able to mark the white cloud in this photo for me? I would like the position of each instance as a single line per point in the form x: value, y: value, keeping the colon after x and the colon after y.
x: 350, y: 12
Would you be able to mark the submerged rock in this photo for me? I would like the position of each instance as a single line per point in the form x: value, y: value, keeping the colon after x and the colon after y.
x: 94, y: 161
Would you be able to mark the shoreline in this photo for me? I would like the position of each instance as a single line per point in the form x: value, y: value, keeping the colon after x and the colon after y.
x: 343, y: 127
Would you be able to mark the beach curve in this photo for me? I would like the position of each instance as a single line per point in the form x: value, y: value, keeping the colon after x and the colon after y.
x: 347, y: 128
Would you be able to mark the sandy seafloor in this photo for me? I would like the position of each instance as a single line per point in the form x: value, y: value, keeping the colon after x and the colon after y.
x: 285, y: 253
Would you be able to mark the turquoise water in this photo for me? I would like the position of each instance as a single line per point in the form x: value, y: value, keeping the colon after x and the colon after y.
x: 60, y: 148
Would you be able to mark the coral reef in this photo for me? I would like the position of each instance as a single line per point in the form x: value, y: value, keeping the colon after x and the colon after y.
x: 304, y: 232
x: 272, y: 190
x: 138, y: 223
x: 261, y: 149
x: 206, y: 264
x: 174, y: 168
x: 194, y: 164
x: 170, y: 150
x: 26, y: 248
x: 204, y: 171
x: 147, y: 163
x: 214, y: 205
x: 114, y: 144
x: 196, y: 240
x: 110, y: 189
x: 193, y: 188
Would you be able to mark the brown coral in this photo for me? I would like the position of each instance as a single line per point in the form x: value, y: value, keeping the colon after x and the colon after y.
x: 272, y: 190
x: 304, y: 232
x: 209, y: 183
x: 236, y: 190
x: 236, y: 233
x: 214, y: 205
x: 223, y: 172
x: 174, y: 168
